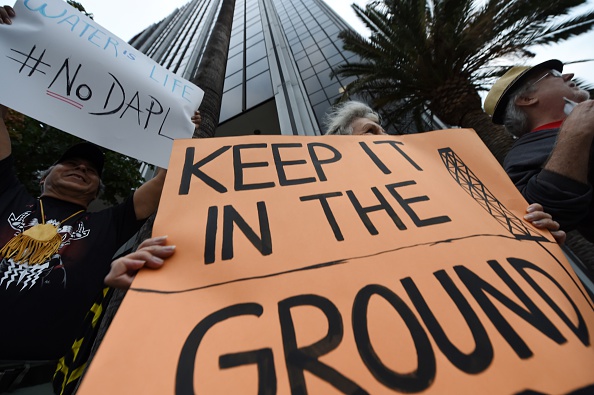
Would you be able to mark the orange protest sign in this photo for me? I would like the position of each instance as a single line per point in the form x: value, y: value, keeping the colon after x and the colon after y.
x: 348, y: 264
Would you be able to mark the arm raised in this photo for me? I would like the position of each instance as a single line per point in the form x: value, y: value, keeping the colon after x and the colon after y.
x: 571, y: 155
x: 146, y: 198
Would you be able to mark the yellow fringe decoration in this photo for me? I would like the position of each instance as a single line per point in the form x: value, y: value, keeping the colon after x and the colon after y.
x: 34, y: 246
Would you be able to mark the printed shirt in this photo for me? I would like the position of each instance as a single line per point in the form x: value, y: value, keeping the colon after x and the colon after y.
x: 42, y: 306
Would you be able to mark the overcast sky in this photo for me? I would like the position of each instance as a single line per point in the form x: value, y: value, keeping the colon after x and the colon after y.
x: 125, y: 18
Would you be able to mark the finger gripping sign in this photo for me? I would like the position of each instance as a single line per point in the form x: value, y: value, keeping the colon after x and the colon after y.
x: 63, y: 68
x: 348, y: 265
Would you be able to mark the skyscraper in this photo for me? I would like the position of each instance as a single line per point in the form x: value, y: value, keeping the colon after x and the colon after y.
x: 281, y: 56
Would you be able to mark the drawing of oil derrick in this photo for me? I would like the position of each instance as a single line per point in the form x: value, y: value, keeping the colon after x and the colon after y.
x: 475, y: 188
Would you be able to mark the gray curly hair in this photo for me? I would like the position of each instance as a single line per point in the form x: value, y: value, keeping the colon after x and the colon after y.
x: 515, y: 119
x: 341, y: 116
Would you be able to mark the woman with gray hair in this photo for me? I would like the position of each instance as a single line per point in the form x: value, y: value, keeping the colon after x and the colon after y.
x: 353, y: 118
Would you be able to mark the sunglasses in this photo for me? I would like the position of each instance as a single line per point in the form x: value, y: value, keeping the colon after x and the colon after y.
x: 553, y: 73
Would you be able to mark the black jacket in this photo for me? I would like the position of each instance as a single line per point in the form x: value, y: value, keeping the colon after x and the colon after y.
x: 568, y: 201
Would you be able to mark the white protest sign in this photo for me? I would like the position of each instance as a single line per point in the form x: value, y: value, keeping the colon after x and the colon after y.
x: 64, y: 69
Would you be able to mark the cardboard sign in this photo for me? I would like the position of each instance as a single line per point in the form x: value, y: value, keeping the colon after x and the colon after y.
x: 348, y: 264
x: 64, y: 69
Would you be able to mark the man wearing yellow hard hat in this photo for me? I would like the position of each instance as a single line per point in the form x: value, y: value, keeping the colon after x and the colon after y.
x: 553, y: 120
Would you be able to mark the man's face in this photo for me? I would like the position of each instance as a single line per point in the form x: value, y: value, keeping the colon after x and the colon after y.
x: 366, y: 126
x: 73, y: 177
x: 552, y: 87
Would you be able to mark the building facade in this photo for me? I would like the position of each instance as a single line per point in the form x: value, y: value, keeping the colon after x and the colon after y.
x: 278, y: 78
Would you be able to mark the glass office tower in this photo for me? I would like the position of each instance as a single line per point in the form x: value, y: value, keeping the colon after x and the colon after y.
x: 281, y: 56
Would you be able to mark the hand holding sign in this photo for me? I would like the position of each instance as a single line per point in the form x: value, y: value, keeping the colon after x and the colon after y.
x: 196, y: 119
x: 151, y: 254
x: 6, y: 12
x: 542, y: 220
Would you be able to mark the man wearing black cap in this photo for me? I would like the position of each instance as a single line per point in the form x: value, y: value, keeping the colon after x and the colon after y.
x: 76, y: 176
x: 55, y: 255
x: 554, y: 123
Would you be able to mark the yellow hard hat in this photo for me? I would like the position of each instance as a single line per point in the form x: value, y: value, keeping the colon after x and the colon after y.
x: 498, y: 96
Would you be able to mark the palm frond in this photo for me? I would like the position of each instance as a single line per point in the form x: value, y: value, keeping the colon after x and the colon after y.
x: 419, y: 47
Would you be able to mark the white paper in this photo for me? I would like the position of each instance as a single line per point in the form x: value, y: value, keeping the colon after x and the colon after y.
x: 64, y: 69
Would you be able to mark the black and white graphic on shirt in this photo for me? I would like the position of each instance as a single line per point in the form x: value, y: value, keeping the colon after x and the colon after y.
x: 25, y: 276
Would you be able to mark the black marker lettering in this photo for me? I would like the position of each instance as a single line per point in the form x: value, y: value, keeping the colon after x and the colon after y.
x: 193, y: 169
x: 210, y: 242
x: 298, y: 360
x: 69, y: 82
x: 416, y: 381
x: 238, y: 167
x: 481, y: 357
x: 263, y: 358
x: 405, y: 203
x: 231, y: 217
x: 280, y: 165
x: 479, y: 289
x: 120, y: 105
x: 581, y: 330
x: 317, y: 163
x: 404, y: 155
x: 323, y: 198
x: 186, y: 365
x: 382, y: 206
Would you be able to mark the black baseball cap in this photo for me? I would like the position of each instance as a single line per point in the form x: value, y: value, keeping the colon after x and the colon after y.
x: 86, y: 151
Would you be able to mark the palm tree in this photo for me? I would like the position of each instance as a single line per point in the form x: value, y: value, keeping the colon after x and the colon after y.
x: 438, y: 54
x: 210, y: 76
